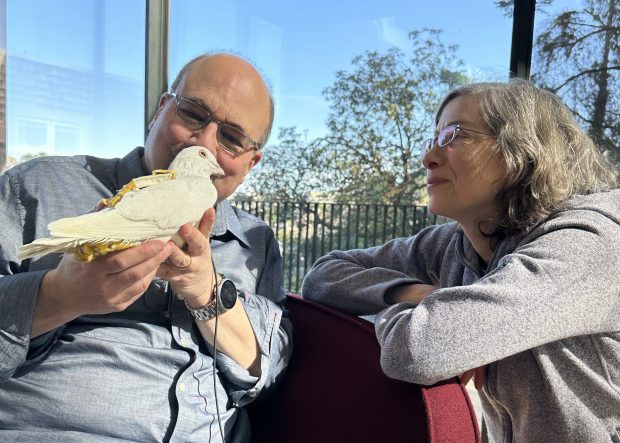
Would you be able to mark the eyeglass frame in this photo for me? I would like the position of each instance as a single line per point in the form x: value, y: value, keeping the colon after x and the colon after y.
x: 253, y: 144
x: 429, y: 143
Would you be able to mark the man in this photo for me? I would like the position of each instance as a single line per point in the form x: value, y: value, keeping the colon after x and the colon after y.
x: 107, y: 351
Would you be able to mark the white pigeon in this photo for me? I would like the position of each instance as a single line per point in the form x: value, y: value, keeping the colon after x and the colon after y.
x: 149, y: 207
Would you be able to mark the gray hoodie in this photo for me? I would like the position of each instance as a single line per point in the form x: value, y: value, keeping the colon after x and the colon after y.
x: 544, y: 318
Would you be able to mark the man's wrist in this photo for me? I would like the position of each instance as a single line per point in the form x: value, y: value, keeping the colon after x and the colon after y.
x: 224, y: 298
x: 206, y: 298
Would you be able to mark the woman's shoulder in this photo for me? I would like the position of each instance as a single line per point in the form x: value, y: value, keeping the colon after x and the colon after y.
x: 595, y: 206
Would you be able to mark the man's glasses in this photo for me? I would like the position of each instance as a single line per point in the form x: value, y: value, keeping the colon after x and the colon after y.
x: 445, y: 137
x: 195, y: 116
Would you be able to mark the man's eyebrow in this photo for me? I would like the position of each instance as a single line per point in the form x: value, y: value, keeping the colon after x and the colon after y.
x: 201, y: 102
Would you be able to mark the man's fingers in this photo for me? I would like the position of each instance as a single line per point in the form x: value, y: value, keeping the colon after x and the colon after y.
x: 119, y: 261
x: 207, y: 222
x: 138, y: 267
x: 131, y: 293
x: 178, y: 260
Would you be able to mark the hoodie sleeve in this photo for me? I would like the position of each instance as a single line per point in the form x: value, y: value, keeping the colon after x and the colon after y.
x: 356, y: 281
x: 562, y: 281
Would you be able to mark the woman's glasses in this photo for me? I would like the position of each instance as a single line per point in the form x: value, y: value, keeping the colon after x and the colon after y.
x: 445, y: 137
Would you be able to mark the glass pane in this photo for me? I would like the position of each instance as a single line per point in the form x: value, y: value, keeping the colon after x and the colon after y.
x: 2, y: 84
x: 300, y: 47
x: 74, y: 77
x: 576, y: 55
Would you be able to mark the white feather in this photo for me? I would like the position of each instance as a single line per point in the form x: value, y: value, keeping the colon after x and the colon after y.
x: 157, y: 209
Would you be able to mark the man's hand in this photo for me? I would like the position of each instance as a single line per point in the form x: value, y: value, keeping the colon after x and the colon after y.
x: 108, y: 284
x: 190, y: 269
x: 190, y: 273
x: 413, y: 292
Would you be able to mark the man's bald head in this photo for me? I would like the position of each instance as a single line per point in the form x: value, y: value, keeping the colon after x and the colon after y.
x: 231, y: 68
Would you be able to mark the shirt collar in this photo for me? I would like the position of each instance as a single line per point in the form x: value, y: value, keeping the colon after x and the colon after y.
x: 130, y: 167
x: 227, y: 221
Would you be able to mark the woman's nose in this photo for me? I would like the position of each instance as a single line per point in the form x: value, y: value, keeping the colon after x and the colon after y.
x: 432, y: 157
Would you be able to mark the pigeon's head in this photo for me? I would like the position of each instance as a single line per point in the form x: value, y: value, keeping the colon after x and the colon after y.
x: 196, y: 161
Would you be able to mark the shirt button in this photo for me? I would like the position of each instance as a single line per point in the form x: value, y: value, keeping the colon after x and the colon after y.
x: 183, y: 342
x: 252, y: 392
x: 182, y: 387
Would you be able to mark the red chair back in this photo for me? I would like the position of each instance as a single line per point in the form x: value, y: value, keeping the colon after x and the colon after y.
x: 335, y: 391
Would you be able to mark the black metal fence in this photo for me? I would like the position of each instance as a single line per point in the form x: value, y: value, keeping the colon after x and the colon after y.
x: 306, y: 231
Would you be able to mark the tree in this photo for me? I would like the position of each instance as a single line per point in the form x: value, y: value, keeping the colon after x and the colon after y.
x: 380, y: 111
x: 578, y: 52
x: 289, y: 171
x: 577, y: 55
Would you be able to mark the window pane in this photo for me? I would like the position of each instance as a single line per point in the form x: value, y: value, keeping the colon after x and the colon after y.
x: 300, y: 47
x: 575, y: 54
x: 33, y: 135
x: 74, y: 77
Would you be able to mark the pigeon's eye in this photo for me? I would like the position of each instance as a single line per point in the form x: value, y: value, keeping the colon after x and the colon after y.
x: 203, y: 154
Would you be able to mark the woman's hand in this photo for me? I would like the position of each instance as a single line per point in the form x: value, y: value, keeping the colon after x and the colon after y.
x: 411, y: 292
x: 478, y: 375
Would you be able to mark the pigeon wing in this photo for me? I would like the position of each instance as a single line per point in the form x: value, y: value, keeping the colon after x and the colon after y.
x: 155, y: 211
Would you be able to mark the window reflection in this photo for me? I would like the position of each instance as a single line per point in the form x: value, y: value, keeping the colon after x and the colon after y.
x: 74, y: 77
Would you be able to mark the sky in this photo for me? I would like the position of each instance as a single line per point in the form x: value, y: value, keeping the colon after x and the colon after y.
x: 297, y: 45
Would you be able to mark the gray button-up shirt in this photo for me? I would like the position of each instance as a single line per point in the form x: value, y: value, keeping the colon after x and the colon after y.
x: 144, y: 374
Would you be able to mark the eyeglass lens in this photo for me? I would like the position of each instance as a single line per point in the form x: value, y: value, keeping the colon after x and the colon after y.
x: 197, y: 117
x: 445, y: 137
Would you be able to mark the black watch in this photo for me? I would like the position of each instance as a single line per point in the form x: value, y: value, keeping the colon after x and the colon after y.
x: 224, y: 299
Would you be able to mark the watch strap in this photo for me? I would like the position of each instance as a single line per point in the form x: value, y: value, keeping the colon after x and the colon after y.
x: 212, y: 309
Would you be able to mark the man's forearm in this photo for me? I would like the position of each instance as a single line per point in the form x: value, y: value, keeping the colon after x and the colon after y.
x: 235, y: 337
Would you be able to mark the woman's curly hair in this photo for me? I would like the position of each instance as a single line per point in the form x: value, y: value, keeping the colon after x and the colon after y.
x: 548, y: 157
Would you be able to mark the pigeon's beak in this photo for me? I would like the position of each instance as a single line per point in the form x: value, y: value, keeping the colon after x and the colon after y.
x: 219, y: 172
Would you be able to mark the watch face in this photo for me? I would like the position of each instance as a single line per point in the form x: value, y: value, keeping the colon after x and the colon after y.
x: 228, y: 294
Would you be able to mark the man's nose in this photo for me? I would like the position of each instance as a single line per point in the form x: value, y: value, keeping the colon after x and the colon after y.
x: 207, y: 137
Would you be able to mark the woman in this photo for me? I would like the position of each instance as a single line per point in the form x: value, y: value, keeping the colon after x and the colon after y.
x: 524, y: 285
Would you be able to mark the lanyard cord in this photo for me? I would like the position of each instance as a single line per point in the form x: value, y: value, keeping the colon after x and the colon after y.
x: 217, y: 316
x: 170, y: 304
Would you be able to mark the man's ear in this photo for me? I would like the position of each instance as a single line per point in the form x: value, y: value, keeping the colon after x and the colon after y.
x: 256, y: 158
x: 162, y: 101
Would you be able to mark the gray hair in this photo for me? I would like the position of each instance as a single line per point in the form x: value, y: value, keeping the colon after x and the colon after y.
x: 547, y: 156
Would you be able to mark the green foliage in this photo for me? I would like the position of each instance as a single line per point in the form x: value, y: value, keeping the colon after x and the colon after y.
x: 380, y: 111
x: 381, y: 108
x: 578, y: 56
x: 289, y: 170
